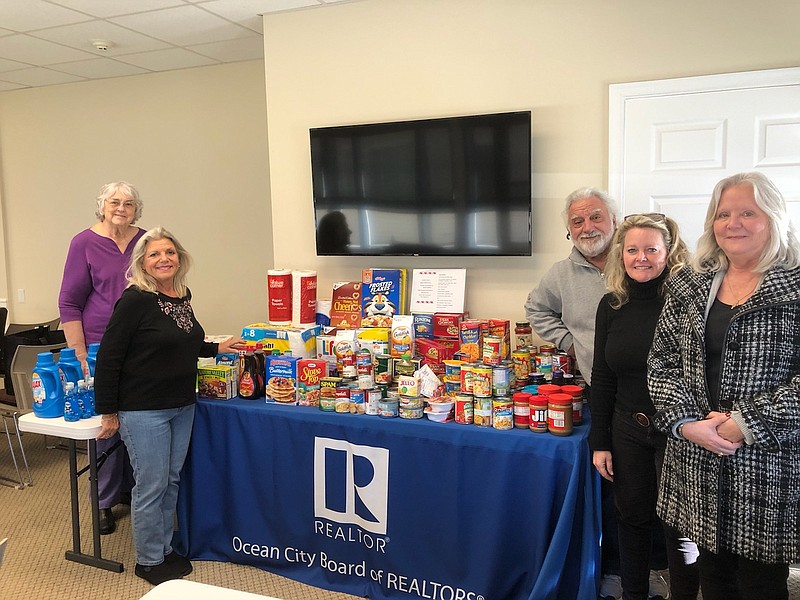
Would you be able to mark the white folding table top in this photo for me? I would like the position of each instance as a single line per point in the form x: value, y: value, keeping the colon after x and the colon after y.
x: 85, y: 429
x: 183, y: 589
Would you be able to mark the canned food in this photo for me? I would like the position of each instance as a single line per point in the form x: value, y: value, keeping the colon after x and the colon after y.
x: 387, y: 408
x: 451, y: 388
x: 482, y: 412
x: 452, y: 370
x: 500, y: 380
x: 374, y: 397
x: 342, y: 400
x: 561, y: 362
x: 357, y: 401
x: 466, y: 378
x: 482, y: 381
x: 464, y: 409
x: 521, y: 359
x: 382, y: 373
x: 502, y: 413
x: 411, y: 413
x: 412, y: 402
x: 492, y: 350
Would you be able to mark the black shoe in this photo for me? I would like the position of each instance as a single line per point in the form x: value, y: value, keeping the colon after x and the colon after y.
x: 178, y: 562
x: 157, y: 573
x: 107, y: 521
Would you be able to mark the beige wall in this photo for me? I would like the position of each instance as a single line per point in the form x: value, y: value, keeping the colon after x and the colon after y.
x: 192, y: 141
x: 195, y: 141
x: 381, y: 60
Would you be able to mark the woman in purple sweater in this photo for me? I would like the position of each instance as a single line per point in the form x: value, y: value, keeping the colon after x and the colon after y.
x: 94, y: 277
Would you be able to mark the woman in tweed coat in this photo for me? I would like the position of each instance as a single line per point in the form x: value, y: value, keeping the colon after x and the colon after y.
x: 724, y: 376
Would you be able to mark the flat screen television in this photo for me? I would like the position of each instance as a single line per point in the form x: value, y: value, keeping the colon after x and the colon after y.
x: 457, y: 186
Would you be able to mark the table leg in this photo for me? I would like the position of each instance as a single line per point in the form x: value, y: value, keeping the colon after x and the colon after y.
x: 95, y: 560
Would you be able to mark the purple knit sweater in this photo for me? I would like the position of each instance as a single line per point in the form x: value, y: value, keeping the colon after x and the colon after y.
x: 94, y: 277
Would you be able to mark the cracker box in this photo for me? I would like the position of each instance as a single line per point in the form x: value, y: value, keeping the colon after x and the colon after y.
x: 310, y: 372
x: 346, y: 304
x: 423, y: 325
x: 282, y: 379
x: 383, y: 295
x: 300, y: 342
x: 445, y: 325
x: 219, y: 382
x: 401, y: 337
x: 435, y: 350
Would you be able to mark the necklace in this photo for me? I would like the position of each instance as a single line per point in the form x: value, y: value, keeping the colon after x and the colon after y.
x: 739, y: 302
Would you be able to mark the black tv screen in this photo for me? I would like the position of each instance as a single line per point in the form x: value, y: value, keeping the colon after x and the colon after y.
x: 457, y: 186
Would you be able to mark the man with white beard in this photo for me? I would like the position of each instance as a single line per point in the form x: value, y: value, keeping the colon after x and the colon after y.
x: 562, y: 310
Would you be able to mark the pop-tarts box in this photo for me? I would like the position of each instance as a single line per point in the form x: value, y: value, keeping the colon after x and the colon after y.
x: 281, y: 381
x: 383, y: 295
x: 301, y: 342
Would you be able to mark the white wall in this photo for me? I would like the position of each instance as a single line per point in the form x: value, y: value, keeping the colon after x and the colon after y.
x: 195, y: 141
x: 379, y: 60
x: 192, y: 141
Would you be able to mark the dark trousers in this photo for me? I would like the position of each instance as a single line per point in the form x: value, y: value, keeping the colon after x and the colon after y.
x: 644, y: 542
x: 728, y: 576
x: 116, y: 475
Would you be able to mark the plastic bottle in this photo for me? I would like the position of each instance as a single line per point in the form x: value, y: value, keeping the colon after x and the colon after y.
x: 247, y: 381
x: 72, y: 411
x: 70, y: 366
x: 405, y: 366
x: 82, y: 396
x: 48, y: 394
x: 90, y: 396
x: 91, y: 358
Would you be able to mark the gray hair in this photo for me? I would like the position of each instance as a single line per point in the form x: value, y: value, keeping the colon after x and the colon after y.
x: 138, y: 277
x: 782, y: 249
x: 589, y: 192
x: 112, y: 188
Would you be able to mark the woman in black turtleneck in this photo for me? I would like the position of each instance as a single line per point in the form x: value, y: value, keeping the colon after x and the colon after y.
x: 626, y: 447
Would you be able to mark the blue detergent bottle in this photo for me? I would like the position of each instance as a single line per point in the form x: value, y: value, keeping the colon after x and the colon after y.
x: 70, y: 367
x: 81, y: 398
x: 91, y: 357
x: 48, y: 394
x: 72, y: 411
x: 90, y: 396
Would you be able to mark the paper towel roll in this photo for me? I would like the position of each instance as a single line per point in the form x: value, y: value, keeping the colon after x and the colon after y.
x: 279, y: 293
x: 304, y: 298
x: 323, y: 312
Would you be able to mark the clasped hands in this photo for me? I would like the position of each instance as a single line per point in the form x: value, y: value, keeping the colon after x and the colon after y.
x: 717, y: 433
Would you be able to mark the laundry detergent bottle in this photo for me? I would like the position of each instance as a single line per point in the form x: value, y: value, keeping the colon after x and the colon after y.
x: 48, y: 394
x: 70, y: 367
x: 91, y: 357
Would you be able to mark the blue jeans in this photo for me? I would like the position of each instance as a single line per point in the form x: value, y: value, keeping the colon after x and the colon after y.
x: 157, y: 442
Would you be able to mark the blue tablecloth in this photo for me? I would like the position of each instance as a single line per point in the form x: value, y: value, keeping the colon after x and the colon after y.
x: 391, y: 508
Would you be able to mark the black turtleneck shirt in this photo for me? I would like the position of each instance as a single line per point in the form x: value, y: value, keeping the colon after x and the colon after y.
x: 622, y: 341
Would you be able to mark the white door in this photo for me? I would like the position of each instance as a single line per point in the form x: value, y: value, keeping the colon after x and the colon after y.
x: 671, y: 141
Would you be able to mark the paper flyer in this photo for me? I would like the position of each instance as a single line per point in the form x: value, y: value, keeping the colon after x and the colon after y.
x: 438, y: 290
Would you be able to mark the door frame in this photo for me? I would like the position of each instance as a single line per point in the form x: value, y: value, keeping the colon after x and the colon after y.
x: 620, y: 93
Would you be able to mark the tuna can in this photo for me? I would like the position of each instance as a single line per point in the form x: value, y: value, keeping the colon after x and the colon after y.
x: 464, y: 409
x: 500, y: 380
x: 482, y: 412
x: 576, y: 392
x: 374, y: 397
x: 492, y: 350
x: 387, y: 409
x: 452, y: 370
x: 559, y: 414
x: 451, y: 388
x: 412, y: 402
x: 502, y: 413
x: 522, y: 410
x: 411, y: 413
x: 357, y: 401
x: 466, y: 378
x: 538, y: 413
x: 482, y: 381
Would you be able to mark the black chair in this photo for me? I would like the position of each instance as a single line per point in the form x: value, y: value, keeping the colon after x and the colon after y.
x: 31, y: 334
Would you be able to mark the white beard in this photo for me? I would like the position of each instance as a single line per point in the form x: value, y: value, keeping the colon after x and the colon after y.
x: 594, y: 246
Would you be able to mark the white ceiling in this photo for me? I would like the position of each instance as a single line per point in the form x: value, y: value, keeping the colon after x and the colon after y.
x: 48, y: 42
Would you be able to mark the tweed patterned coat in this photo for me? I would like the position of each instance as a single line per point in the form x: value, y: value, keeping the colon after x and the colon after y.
x: 747, y: 503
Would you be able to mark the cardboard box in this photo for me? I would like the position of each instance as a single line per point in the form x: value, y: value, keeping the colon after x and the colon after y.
x: 445, y: 325
x: 383, y: 295
x: 423, y: 325
x: 299, y: 342
x: 435, y: 350
x: 219, y: 382
x: 282, y: 379
x: 346, y: 304
x: 310, y: 372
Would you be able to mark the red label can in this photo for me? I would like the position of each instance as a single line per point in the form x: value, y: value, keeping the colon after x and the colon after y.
x: 463, y: 409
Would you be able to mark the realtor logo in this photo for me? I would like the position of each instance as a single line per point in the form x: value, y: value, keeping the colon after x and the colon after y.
x: 351, y: 484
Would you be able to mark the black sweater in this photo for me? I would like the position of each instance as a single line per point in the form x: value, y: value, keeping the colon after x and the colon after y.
x: 622, y: 341
x: 148, y: 356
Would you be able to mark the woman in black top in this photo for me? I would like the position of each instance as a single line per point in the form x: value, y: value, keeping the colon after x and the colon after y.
x: 145, y: 387
x: 627, y: 449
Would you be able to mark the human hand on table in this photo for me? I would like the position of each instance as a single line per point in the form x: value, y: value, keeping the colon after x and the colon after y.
x: 604, y: 464
x: 110, y: 425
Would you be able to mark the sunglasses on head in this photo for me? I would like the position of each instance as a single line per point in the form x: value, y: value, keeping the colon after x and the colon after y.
x: 657, y: 217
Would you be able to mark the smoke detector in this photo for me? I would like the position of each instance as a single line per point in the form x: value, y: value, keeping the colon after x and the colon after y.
x: 102, y: 45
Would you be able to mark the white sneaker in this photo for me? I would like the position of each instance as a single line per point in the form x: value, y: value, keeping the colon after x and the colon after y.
x: 610, y: 587
x: 658, y: 587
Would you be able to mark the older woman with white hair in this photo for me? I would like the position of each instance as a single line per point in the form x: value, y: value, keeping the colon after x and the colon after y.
x: 94, y: 277
x: 724, y: 375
